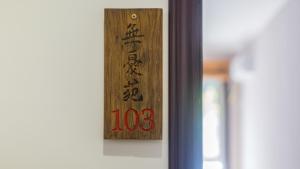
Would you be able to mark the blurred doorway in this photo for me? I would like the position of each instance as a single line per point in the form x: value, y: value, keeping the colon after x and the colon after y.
x: 215, y: 83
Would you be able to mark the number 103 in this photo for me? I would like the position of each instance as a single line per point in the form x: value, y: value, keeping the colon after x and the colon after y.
x: 134, y: 120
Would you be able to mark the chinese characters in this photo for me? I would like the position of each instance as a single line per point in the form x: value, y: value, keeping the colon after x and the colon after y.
x: 132, y: 40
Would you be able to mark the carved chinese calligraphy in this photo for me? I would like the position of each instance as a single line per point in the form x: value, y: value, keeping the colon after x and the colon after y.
x: 133, y: 74
x: 133, y: 41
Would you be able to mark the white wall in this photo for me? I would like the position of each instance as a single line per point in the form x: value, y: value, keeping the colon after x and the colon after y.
x: 271, y: 96
x: 51, y: 88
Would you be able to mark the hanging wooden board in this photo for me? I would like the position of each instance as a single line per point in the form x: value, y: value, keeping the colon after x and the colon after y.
x: 133, y: 74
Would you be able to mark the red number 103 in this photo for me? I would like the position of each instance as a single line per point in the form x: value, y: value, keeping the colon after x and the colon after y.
x: 146, y: 125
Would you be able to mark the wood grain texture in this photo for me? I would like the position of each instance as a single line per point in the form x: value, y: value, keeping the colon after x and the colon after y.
x: 149, y: 24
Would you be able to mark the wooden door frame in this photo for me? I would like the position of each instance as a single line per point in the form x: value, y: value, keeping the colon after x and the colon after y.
x: 185, y: 84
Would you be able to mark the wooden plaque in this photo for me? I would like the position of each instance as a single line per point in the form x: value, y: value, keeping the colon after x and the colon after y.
x: 133, y: 74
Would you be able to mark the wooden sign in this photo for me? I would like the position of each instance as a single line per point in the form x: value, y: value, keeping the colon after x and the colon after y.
x: 133, y: 74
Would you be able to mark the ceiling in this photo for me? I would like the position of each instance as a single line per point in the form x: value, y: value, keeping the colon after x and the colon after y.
x: 228, y: 24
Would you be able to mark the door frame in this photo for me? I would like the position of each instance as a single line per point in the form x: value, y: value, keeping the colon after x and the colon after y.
x: 185, y: 84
